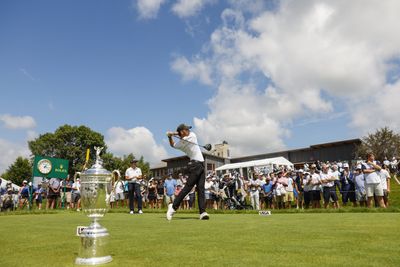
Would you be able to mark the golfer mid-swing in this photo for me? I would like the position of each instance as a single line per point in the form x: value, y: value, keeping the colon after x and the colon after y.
x: 188, y: 144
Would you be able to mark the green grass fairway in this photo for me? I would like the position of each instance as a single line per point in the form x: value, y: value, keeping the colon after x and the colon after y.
x: 335, y: 239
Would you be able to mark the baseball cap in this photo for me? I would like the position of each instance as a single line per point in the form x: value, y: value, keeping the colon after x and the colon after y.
x: 25, y: 182
x: 346, y: 165
x: 134, y: 161
x: 182, y: 127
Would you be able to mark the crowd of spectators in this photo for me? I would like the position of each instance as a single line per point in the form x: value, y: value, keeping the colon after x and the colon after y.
x: 321, y: 184
x: 58, y: 193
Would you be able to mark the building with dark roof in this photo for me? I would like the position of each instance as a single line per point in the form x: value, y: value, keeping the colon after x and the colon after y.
x: 333, y: 151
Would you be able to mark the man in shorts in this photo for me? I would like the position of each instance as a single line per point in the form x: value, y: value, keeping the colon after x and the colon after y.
x: 328, y: 180
x: 373, y: 181
x: 76, y: 195
x: 53, y: 193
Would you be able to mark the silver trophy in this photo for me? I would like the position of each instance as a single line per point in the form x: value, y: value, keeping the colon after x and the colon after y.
x: 95, y: 201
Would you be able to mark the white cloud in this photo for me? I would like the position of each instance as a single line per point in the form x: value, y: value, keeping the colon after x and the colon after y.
x: 192, y: 70
x: 239, y: 116
x: 148, y: 9
x: 314, y: 53
x: 381, y: 110
x: 139, y: 141
x: 31, y: 135
x: 9, y: 152
x: 188, y: 8
x: 18, y: 122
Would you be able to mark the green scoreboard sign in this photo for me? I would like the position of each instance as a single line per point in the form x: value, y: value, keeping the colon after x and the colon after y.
x: 50, y: 167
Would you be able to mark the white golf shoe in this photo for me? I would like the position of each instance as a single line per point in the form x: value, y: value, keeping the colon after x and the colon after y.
x: 204, y: 216
x: 140, y: 212
x: 170, y: 212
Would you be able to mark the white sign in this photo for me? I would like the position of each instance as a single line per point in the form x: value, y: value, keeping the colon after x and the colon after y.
x: 264, y: 213
x: 79, y: 230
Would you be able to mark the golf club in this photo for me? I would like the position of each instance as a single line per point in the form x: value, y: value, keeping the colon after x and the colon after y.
x: 207, y: 147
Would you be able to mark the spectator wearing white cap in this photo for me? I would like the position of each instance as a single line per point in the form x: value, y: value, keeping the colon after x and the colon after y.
x: 328, y: 183
x: 134, y: 176
x: 23, y: 194
x: 347, y: 188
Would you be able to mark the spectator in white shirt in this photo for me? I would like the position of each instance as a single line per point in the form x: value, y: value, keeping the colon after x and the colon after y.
x: 254, y: 186
x: 119, y: 190
x: 134, y: 175
x: 76, y: 195
x: 207, y: 190
x: 289, y: 196
x: 328, y: 180
x: 373, y: 181
x: 385, y: 181
x: 315, y: 189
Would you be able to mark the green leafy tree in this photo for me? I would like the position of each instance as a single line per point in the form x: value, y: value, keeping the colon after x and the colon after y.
x: 384, y: 143
x: 20, y: 170
x: 68, y: 142
x: 110, y: 162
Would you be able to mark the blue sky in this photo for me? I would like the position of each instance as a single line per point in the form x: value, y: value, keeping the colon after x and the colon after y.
x: 106, y: 65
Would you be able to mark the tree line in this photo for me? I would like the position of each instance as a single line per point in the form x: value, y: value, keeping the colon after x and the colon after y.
x: 70, y: 143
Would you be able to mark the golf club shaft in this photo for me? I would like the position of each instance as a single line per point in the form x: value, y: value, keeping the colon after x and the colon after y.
x: 189, y: 141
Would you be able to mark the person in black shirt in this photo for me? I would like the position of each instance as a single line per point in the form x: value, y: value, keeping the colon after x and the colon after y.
x: 160, y: 193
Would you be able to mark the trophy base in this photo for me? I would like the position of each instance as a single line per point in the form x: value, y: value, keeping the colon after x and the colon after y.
x: 93, y: 261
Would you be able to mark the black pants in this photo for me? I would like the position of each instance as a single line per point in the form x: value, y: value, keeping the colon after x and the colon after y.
x: 196, y: 177
x: 348, y: 193
x: 134, y: 192
x: 307, y: 198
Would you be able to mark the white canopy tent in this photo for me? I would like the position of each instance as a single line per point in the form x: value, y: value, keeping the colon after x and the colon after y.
x: 4, y: 184
x: 278, y: 161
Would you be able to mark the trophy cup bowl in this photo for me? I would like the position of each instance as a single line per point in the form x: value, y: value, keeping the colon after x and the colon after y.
x: 95, y: 196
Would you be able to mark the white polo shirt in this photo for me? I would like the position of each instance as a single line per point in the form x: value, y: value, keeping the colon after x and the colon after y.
x: 191, y: 150
x: 325, y: 176
x: 133, y: 174
x: 373, y: 177
x: 315, y: 180
x: 384, y: 174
